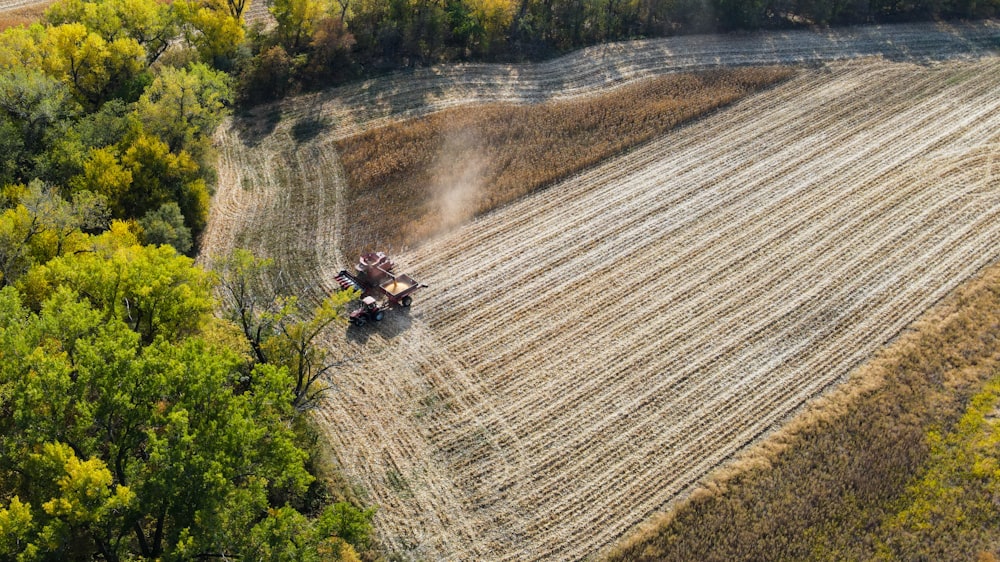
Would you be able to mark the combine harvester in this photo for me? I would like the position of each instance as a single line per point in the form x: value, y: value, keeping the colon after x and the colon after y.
x: 381, y: 289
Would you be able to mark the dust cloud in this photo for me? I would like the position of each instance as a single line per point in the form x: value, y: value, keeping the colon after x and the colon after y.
x: 458, y: 178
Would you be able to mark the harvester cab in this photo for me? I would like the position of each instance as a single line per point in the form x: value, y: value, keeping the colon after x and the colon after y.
x: 370, y: 311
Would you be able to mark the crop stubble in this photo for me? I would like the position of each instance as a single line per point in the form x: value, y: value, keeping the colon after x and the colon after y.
x: 12, y: 5
x: 350, y: 109
x: 586, y: 355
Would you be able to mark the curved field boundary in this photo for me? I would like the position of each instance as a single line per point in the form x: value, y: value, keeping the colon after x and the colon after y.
x: 588, y: 354
x: 261, y: 183
x: 280, y: 203
x: 350, y: 109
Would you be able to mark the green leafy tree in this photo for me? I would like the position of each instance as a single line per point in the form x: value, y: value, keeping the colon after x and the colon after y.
x: 17, y: 529
x: 76, y: 504
x: 66, y: 157
x: 43, y: 225
x: 160, y: 176
x: 166, y: 226
x: 151, y: 24
x: 99, y: 17
x: 17, y: 230
x: 20, y: 47
x: 297, y: 346
x: 153, y: 290
x: 256, y: 298
x: 287, y: 535
x: 66, y: 11
x: 297, y: 20
x: 11, y: 151
x: 62, y: 221
x: 253, y: 293
x: 482, y: 25
x: 123, y: 439
x: 103, y: 173
x: 209, y: 27
x: 740, y: 14
x: 109, y: 126
x: 35, y: 109
x: 183, y: 106
x: 347, y: 522
x: 91, y: 65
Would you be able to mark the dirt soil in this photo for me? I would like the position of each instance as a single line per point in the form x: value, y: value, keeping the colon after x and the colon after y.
x: 584, y: 356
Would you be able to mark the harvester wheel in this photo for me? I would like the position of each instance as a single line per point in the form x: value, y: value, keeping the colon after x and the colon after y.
x: 358, y: 321
x: 379, y: 315
x: 407, y: 300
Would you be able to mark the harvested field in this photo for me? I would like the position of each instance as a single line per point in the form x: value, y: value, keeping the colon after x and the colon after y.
x: 341, y: 112
x: 256, y: 13
x: 835, y: 483
x: 586, y: 355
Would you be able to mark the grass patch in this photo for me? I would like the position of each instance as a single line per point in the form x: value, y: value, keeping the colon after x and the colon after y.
x: 951, y: 512
x: 411, y: 180
x: 23, y: 16
x: 398, y: 482
x: 854, y: 478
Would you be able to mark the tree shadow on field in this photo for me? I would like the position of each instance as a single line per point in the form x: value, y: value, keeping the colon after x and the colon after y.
x: 253, y: 126
x: 308, y: 128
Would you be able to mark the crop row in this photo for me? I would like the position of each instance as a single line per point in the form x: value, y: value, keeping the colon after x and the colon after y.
x: 589, y: 353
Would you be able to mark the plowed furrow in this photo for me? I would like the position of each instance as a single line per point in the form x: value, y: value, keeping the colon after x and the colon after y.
x: 644, y: 322
x: 586, y: 355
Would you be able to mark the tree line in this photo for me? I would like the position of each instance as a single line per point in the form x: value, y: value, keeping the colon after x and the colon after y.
x: 137, y: 421
x: 95, y: 101
x: 150, y: 408
x: 319, y: 42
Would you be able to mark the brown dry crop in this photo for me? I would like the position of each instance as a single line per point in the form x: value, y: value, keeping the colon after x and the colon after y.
x: 537, y: 402
x: 821, y: 488
x: 19, y: 13
x: 408, y: 181
x: 586, y: 354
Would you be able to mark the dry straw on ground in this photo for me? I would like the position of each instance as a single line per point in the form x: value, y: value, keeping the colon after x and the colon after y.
x: 22, y: 14
x: 586, y: 354
x: 410, y: 180
x: 536, y: 404
x: 822, y: 488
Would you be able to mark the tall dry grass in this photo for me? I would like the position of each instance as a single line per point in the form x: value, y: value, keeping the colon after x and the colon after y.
x: 23, y: 15
x: 410, y: 180
x: 825, y: 486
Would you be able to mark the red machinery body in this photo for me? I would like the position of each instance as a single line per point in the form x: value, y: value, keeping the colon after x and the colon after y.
x: 381, y: 289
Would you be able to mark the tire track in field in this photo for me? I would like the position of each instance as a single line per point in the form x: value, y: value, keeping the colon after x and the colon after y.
x: 522, y: 410
x: 599, y: 347
x: 282, y: 204
x: 350, y: 109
